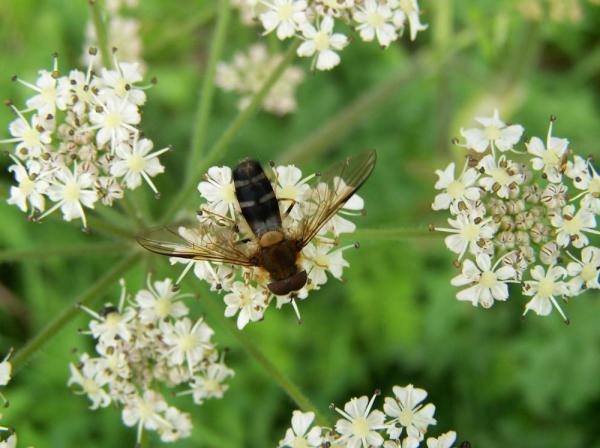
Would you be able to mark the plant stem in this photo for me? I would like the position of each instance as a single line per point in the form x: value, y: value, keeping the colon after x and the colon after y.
x: 395, y: 234
x: 43, y: 253
x: 205, y: 100
x: 420, y: 66
x: 67, y: 314
x: 215, y: 311
x: 101, y: 33
x: 219, y: 148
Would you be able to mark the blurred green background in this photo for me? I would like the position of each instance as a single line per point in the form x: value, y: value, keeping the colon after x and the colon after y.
x: 499, y: 381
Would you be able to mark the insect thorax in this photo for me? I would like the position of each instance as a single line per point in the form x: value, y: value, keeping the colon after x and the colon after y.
x: 280, y: 259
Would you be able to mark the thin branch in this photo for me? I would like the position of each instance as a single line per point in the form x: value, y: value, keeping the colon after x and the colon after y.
x: 67, y: 314
x: 205, y: 99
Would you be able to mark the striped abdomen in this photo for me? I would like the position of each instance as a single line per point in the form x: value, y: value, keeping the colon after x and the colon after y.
x: 256, y: 197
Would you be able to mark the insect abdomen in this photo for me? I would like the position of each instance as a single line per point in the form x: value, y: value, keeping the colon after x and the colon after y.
x: 256, y: 197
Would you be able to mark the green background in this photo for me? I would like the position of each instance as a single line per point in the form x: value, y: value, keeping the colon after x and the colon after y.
x: 499, y: 381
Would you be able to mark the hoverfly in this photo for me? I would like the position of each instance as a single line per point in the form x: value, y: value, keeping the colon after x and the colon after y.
x: 271, y: 245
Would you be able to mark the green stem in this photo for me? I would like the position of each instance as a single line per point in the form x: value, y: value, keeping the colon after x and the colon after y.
x: 67, y: 314
x: 393, y: 234
x: 43, y: 253
x: 348, y: 119
x: 222, y: 144
x: 205, y: 100
x: 101, y: 33
x: 215, y: 311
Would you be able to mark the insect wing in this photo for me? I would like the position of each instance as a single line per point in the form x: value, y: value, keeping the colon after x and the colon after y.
x: 334, y: 188
x: 202, y: 241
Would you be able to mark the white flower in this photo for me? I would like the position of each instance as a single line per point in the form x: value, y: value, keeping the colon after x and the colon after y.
x: 468, y: 233
x: 446, y: 440
x: 298, y: 436
x: 284, y: 16
x: 587, y: 179
x: 486, y: 282
x: 501, y: 177
x: 5, y: 370
x: 186, y: 343
x: 374, y: 20
x: 248, y: 300
x: 495, y: 134
x: 571, y: 226
x: 319, y: 258
x: 160, y: 301
x: 408, y: 442
x: 121, y: 82
x: 71, y: 190
x: 111, y: 325
x: 291, y: 190
x: 179, y: 425
x: 87, y: 377
x: 219, y: 191
x: 30, y: 188
x: 10, y: 442
x: 52, y: 92
x: 323, y: 42
x: 210, y: 384
x: 145, y: 411
x: 409, y: 10
x: 548, y: 158
x: 405, y: 409
x: 359, y: 424
x: 137, y: 162
x: 544, y: 287
x: 338, y: 224
x: 585, y: 271
x: 455, y: 190
x: 31, y: 138
x: 115, y: 120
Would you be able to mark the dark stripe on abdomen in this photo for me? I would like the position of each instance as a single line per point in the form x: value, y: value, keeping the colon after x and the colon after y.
x: 256, y: 197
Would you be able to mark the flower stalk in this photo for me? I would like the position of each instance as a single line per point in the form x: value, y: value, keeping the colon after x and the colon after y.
x: 206, y: 95
x: 101, y: 32
x: 213, y: 310
x: 68, y: 313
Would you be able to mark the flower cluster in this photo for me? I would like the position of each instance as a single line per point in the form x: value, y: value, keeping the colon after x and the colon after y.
x: 10, y: 440
x: 78, y: 141
x: 247, y: 294
x: 123, y: 32
x: 521, y: 216
x: 316, y: 22
x: 402, y: 424
x: 247, y: 73
x: 559, y: 11
x: 141, y: 347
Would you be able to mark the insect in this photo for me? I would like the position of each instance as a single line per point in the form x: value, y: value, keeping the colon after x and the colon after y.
x: 271, y: 245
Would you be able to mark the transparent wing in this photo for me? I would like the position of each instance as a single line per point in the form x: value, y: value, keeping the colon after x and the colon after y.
x: 200, y: 241
x: 334, y: 187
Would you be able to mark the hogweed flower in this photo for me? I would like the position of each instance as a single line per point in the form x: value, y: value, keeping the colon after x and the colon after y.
x: 522, y: 216
x: 90, y: 151
x: 245, y: 288
x: 144, y: 345
x: 403, y: 423
x: 247, y: 73
x: 316, y: 23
